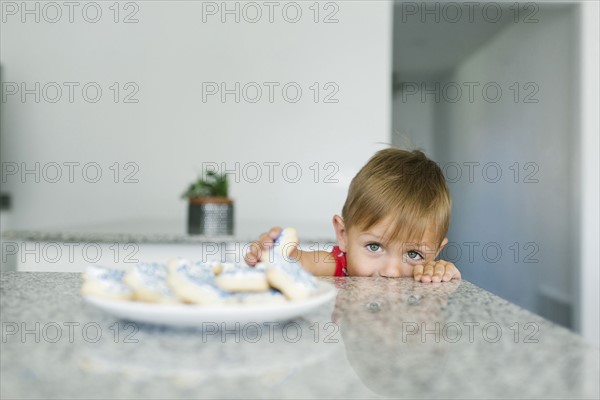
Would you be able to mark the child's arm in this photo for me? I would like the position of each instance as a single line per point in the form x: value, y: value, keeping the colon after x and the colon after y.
x: 320, y: 263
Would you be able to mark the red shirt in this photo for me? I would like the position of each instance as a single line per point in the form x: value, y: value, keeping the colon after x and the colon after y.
x: 340, y: 262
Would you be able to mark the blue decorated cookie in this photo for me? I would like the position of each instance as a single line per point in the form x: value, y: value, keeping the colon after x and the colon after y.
x: 291, y: 279
x: 243, y: 279
x: 195, y: 283
x: 284, y: 244
x: 106, y: 283
x: 149, y: 283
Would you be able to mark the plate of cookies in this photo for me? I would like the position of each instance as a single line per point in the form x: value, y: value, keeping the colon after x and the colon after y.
x: 192, y: 294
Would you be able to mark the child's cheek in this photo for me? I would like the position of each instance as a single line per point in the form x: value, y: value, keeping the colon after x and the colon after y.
x: 356, y: 270
x: 351, y: 270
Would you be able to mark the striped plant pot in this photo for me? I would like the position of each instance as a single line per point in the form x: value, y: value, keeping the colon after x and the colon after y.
x: 210, y: 216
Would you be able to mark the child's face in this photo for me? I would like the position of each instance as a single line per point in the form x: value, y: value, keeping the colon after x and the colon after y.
x: 370, y: 253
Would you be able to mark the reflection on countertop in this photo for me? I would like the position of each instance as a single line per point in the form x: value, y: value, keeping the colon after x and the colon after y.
x: 380, y: 337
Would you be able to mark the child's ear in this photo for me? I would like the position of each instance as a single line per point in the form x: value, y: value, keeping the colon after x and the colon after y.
x: 444, y: 242
x: 340, y: 232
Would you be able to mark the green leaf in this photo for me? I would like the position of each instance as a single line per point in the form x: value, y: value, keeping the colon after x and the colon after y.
x: 213, y: 185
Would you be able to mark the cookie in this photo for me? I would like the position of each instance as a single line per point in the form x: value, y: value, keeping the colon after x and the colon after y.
x: 217, y: 267
x: 261, y: 266
x: 174, y: 263
x: 149, y: 283
x: 284, y: 244
x: 243, y: 279
x: 106, y: 283
x: 195, y: 283
x: 291, y: 279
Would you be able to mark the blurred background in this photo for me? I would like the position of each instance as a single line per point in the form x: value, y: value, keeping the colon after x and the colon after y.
x: 111, y: 109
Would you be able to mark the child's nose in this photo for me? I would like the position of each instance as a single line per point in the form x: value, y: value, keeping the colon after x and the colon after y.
x: 392, y: 269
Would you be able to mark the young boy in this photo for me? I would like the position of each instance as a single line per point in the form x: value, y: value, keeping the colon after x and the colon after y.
x: 393, y: 224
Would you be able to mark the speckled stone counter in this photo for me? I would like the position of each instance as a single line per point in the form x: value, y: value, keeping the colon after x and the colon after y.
x: 71, y: 249
x: 379, y: 338
x: 150, y: 231
x: 114, y: 237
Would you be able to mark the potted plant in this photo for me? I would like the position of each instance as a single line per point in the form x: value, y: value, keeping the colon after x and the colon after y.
x: 210, y: 210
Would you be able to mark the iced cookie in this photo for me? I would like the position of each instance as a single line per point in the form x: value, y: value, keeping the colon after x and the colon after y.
x: 175, y: 263
x: 215, y: 266
x: 195, y: 283
x: 149, y: 283
x: 106, y: 283
x: 243, y: 279
x: 282, y: 247
x: 293, y: 281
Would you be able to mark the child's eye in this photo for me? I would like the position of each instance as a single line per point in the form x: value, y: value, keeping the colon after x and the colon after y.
x: 413, y: 255
x: 374, y: 247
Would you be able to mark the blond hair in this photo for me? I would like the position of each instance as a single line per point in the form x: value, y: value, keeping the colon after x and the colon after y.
x: 405, y: 186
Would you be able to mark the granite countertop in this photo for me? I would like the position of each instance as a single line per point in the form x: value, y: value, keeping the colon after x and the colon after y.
x: 150, y: 231
x: 380, y: 337
x: 71, y: 235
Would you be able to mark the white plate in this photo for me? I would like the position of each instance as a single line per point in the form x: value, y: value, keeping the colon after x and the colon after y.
x: 186, y: 315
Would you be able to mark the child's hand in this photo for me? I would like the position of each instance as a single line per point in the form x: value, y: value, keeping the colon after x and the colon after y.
x: 436, y: 271
x: 260, y: 248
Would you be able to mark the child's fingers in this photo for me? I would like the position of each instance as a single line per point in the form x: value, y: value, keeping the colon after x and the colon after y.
x: 267, y: 239
x: 253, y: 254
x: 264, y: 242
x: 448, y: 273
x: 264, y: 239
x: 418, y: 272
x: 250, y: 259
x: 438, y: 272
x: 428, y: 272
x: 451, y: 272
x: 274, y: 232
x: 456, y: 272
x: 294, y: 253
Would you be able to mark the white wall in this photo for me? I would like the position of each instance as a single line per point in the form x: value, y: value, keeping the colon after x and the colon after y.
x: 413, y: 121
x: 510, y: 131
x: 170, y: 132
x: 588, y: 320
